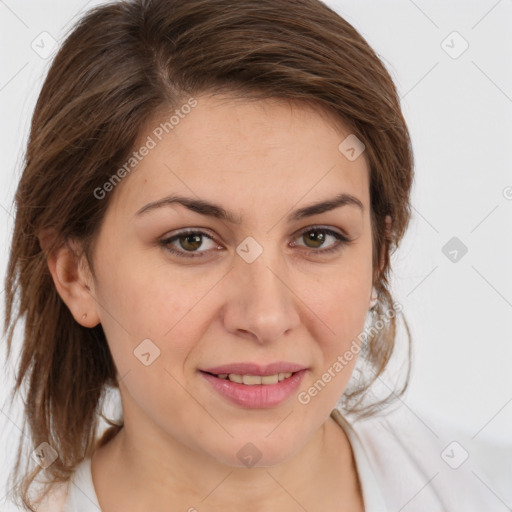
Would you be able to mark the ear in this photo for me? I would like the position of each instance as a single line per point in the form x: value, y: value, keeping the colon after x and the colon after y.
x: 382, y: 259
x: 384, y: 247
x: 72, y: 278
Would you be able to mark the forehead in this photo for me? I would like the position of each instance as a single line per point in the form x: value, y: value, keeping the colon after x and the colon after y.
x: 235, y: 150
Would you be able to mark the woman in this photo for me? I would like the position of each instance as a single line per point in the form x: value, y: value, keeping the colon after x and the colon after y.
x: 211, y: 195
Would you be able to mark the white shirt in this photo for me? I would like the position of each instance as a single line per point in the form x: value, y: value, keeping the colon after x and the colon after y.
x: 403, y: 465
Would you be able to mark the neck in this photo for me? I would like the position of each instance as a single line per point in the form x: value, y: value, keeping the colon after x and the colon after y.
x: 158, y: 473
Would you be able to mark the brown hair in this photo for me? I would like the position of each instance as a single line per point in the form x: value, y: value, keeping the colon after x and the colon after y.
x: 123, y: 63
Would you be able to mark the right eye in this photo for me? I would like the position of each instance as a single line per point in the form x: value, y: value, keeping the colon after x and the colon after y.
x: 189, y: 241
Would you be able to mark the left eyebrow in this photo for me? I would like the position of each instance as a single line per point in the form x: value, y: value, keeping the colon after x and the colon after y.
x: 214, y: 210
x: 325, y: 206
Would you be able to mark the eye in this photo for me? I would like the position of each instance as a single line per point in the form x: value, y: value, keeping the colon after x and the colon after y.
x: 189, y: 241
x: 316, y: 236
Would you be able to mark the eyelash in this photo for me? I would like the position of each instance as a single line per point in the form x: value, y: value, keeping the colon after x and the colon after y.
x: 337, y: 247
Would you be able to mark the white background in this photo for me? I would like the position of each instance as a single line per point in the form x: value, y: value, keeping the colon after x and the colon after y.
x: 459, y: 111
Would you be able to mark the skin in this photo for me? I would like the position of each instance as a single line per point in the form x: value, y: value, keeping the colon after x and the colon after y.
x: 261, y: 160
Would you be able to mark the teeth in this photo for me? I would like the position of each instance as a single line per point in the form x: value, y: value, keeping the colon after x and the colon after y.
x: 269, y: 379
x: 254, y: 380
x: 250, y: 380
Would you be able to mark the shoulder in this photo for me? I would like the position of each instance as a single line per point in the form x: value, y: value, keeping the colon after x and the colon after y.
x: 412, y: 452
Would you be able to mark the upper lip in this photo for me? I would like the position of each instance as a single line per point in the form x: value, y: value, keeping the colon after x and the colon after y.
x: 256, y: 369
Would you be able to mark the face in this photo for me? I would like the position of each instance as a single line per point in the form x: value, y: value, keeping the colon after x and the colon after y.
x: 272, y: 288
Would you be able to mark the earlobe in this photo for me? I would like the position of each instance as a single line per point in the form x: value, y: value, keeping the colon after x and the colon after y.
x: 374, y: 298
x: 73, y: 284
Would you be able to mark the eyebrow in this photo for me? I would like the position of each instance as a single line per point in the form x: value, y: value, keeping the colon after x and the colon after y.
x: 213, y: 210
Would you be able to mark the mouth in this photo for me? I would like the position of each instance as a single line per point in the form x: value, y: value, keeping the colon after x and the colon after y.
x: 253, y: 380
x: 254, y: 386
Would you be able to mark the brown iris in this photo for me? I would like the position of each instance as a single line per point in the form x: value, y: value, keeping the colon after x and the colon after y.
x: 315, y: 236
x: 192, y: 241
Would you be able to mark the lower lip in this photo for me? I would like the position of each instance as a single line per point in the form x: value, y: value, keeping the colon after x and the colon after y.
x: 259, y: 396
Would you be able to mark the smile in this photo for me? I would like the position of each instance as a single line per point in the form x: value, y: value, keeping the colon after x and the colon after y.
x: 255, y: 391
x: 253, y: 380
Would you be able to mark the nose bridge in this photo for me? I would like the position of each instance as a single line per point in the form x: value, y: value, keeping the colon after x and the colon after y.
x: 265, y: 305
x: 265, y: 280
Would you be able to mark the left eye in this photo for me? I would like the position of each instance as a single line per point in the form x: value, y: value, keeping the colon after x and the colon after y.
x: 191, y: 240
x: 317, y: 235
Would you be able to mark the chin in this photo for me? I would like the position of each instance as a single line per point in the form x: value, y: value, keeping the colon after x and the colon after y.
x: 256, y: 451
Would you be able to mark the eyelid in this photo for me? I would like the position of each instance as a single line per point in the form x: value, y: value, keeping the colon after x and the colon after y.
x: 320, y: 227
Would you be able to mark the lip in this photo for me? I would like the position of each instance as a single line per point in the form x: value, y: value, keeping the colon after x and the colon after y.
x: 260, y: 396
x: 256, y: 369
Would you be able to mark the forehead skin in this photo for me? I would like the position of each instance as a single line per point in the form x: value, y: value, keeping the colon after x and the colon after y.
x: 259, y: 159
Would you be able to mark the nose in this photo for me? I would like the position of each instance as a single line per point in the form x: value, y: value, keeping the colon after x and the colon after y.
x: 262, y: 305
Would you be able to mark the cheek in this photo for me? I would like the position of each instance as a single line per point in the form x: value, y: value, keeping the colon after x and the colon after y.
x: 344, y: 312
x: 148, y: 331
x: 339, y: 297
x: 142, y: 301
x: 340, y: 315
